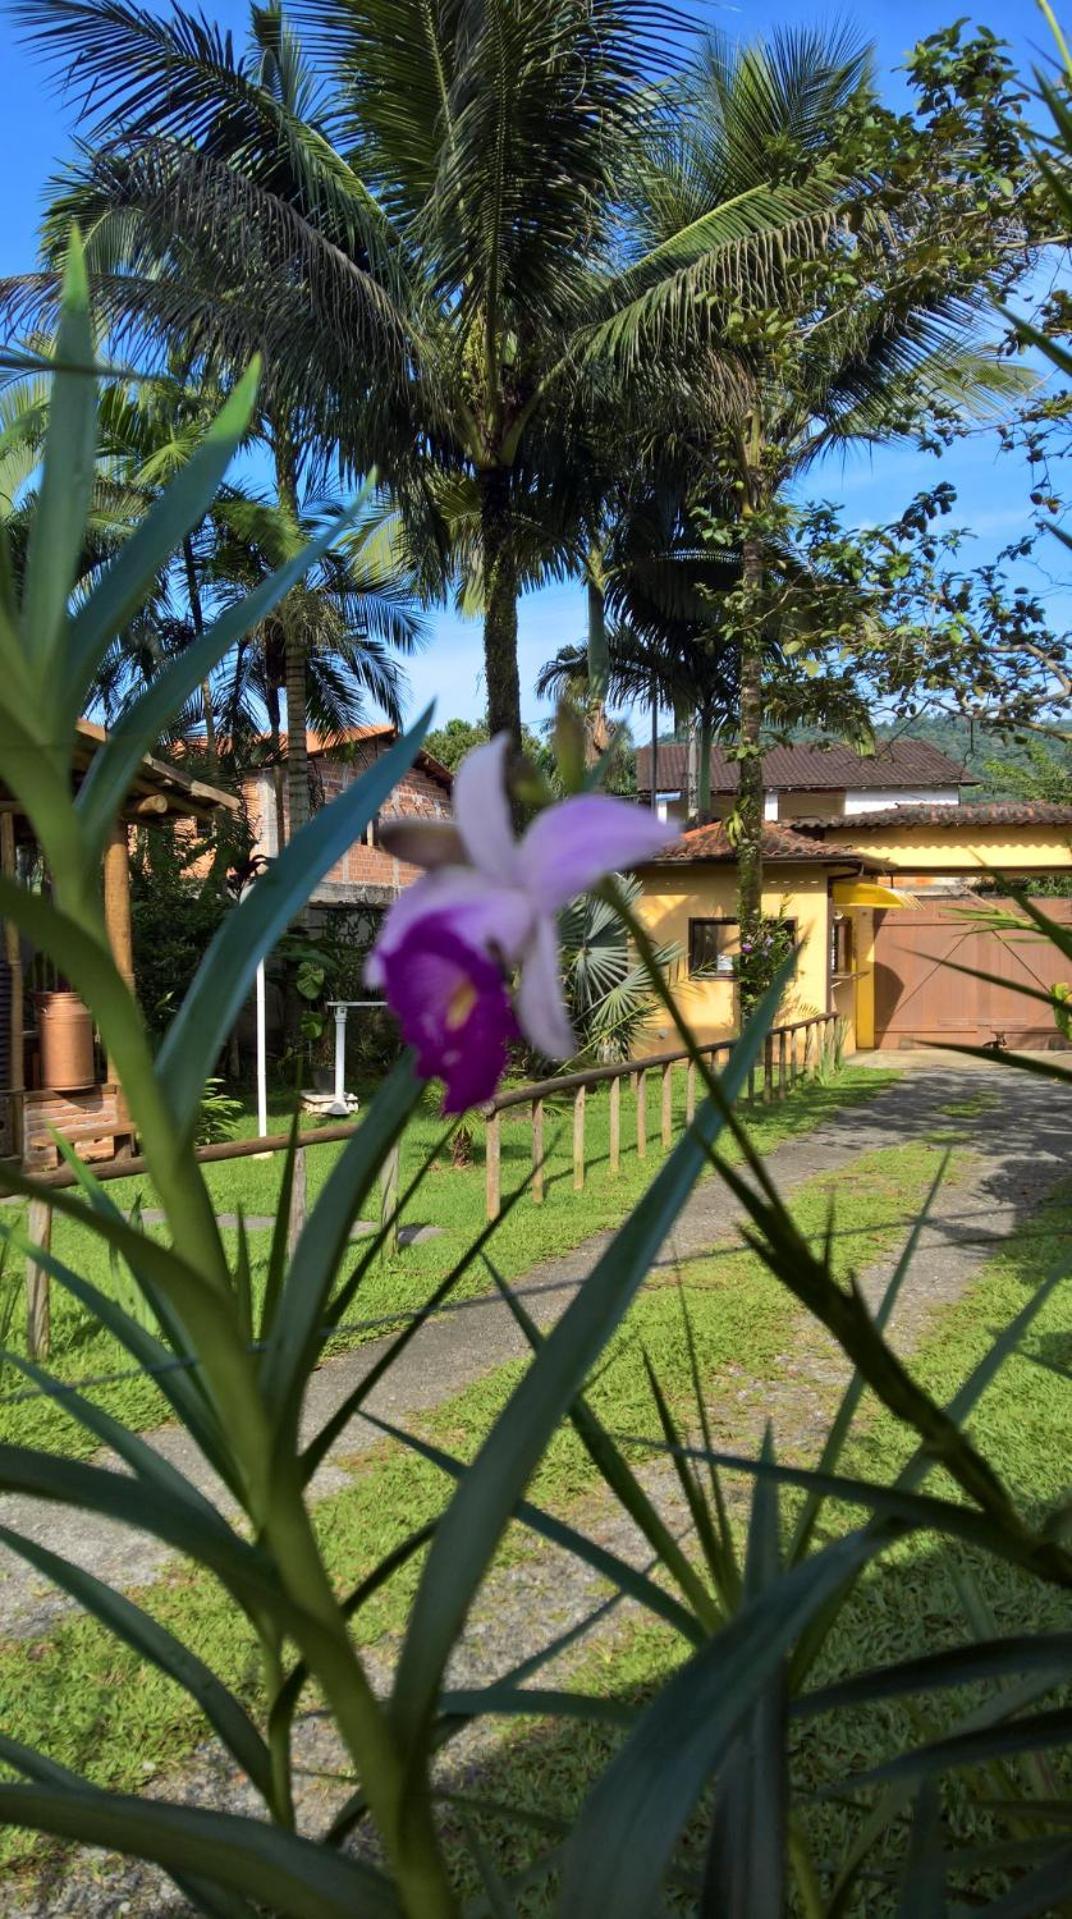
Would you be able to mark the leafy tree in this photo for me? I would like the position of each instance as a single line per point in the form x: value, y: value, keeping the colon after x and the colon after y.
x: 874, y: 332
x: 416, y: 218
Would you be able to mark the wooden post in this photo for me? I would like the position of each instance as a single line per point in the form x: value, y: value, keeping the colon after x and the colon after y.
x: 537, y: 1151
x: 640, y: 1094
x: 491, y: 1168
x: 117, y: 917
x: 615, y: 1123
x: 16, y: 1011
x: 389, y: 1177
x: 768, y: 1070
x: 297, y: 1202
x: 782, y: 1036
x: 578, y: 1139
x: 668, y: 1108
x: 690, y: 1089
x: 38, y: 1302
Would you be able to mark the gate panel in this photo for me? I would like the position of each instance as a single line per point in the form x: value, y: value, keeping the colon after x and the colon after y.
x: 918, y: 997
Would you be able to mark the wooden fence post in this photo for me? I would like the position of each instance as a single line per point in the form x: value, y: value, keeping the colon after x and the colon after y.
x: 297, y: 1202
x: 491, y: 1166
x: 537, y: 1151
x: 782, y: 1037
x: 668, y: 1108
x: 389, y: 1195
x: 690, y: 1090
x: 640, y: 1094
x: 578, y: 1139
x: 615, y: 1123
x: 768, y: 1070
x: 38, y: 1301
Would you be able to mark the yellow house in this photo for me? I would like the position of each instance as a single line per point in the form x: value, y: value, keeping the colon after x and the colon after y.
x: 938, y: 856
x: 688, y: 899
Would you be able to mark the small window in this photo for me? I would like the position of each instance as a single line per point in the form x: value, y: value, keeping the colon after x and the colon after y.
x: 841, y: 951
x: 713, y: 947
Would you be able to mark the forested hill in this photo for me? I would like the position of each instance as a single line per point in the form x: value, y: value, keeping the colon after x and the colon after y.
x: 1007, y: 769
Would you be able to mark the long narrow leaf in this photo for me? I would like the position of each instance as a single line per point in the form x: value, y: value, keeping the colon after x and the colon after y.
x: 109, y: 778
x: 123, y: 587
x: 213, y: 1900
x: 161, y: 1648
x: 63, y: 501
x: 286, y: 1874
x: 226, y: 972
x: 481, y: 1509
x: 636, y: 1584
x: 622, y: 1843
x: 295, y: 1337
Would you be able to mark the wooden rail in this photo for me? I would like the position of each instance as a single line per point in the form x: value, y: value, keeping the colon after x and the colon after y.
x: 790, y: 1053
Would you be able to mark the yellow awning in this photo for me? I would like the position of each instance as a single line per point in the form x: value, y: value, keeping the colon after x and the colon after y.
x: 868, y: 893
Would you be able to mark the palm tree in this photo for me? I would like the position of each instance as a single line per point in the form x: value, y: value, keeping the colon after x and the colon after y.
x: 416, y: 219
x: 331, y: 644
x: 874, y: 330
x: 327, y: 650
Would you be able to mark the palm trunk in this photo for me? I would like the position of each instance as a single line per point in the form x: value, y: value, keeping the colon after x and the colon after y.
x: 703, y: 785
x: 293, y: 660
x: 297, y: 736
x: 654, y: 747
x: 750, y: 789
x: 500, y: 605
x: 275, y: 739
x: 692, y: 797
x: 193, y: 594
x: 596, y: 731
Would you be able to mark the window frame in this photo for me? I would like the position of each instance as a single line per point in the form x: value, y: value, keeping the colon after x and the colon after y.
x: 717, y: 971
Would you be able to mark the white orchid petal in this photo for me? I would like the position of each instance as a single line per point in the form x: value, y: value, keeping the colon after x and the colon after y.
x: 541, y: 1008
x: 482, y: 811
x: 572, y: 846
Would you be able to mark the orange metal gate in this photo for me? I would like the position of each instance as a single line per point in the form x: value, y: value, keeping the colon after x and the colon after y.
x: 917, y: 997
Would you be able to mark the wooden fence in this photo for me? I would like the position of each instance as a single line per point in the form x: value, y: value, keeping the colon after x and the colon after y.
x: 790, y: 1054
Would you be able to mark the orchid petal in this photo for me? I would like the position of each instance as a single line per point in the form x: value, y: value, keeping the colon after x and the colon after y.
x: 452, y: 1003
x: 482, y: 811
x: 541, y: 1008
x: 570, y: 847
x: 427, y: 843
x: 481, y: 912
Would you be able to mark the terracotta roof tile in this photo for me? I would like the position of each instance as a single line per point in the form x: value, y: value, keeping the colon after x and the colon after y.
x: 813, y: 767
x: 973, y: 813
x: 780, y: 843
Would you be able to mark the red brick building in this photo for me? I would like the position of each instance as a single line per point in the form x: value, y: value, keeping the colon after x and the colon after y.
x: 367, y: 875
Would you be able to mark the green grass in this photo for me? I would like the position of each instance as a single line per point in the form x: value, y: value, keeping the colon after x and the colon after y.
x: 449, y: 1198
x: 911, y: 1603
x: 88, y: 1703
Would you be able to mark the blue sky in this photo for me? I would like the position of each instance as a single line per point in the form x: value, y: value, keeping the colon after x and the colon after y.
x: 35, y: 127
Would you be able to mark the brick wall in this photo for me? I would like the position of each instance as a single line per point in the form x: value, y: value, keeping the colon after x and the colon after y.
x: 417, y: 795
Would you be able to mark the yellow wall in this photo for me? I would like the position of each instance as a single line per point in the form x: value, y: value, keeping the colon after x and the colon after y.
x: 672, y: 895
x: 961, y: 849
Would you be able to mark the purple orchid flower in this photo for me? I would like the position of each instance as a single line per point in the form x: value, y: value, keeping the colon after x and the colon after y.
x: 486, y: 905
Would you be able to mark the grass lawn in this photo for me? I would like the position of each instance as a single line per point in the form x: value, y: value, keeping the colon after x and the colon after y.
x: 918, y: 1598
x: 85, y: 1699
x: 450, y: 1198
